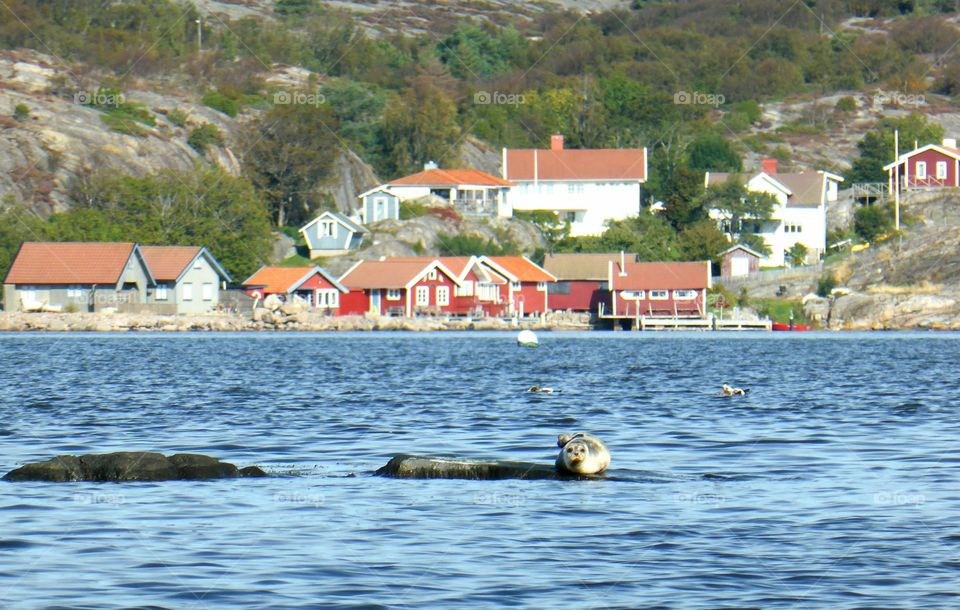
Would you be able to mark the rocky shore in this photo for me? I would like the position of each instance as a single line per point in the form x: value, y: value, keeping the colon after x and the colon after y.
x: 265, y: 320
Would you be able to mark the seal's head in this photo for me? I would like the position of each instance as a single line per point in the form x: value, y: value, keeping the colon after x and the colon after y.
x: 575, y: 453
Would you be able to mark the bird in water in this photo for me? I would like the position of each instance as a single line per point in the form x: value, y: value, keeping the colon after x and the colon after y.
x: 728, y: 391
x: 541, y: 390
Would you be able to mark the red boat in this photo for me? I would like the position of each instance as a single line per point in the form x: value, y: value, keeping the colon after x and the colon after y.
x: 788, y: 326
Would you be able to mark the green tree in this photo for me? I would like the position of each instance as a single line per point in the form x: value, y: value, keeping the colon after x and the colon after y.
x: 702, y: 241
x: 204, y: 136
x: 797, y: 254
x: 419, y: 126
x: 872, y: 221
x: 21, y: 112
x: 17, y: 225
x: 739, y: 208
x: 712, y: 153
x: 293, y: 149
x: 876, y: 147
x: 471, y: 52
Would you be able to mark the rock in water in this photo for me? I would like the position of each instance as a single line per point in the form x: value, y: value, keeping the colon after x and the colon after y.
x: 130, y: 466
x: 425, y: 467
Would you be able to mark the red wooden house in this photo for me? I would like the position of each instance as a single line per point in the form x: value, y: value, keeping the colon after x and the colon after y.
x: 581, y: 280
x: 659, y: 289
x: 930, y: 166
x: 479, y: 293
x: 525, y: 289
x: 403, y: 287
x: 312, y: 285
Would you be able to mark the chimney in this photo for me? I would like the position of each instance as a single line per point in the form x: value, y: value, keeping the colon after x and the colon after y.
x: 950, y: 142
x: 430, y: 165
x: 556, y: 142
x: 623, y: 264
x: 769, y: 166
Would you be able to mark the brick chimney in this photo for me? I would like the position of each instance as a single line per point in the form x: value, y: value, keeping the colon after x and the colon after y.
x: 556, y: 142
x: 769, y: 166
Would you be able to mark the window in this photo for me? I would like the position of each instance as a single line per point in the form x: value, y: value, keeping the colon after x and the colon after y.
x: 443, y: 295
x: 327, y: 229
x: 206, y: 291
x: 488, y: 292
x: 574, y: 188
x: 684, y: 295
x: 514, y: 285
x: 394, y: 294
x: 659, y: 295
x: 432, y: 275
x: 423, y: 296
x: 921, y: 169
x: 558, y: 288
x: 941, y: 170
x: 187, y: 292
x: 571, y: 217
x: 328, y: 298
x: 161, y: 294
x: 465, y: 289
x: 541, y: 286
x: 75, y: 292
x: 632, y: 295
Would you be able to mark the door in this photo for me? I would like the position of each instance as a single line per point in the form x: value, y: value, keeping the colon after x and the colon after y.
x: 739, y: 265
x: 375, y: 302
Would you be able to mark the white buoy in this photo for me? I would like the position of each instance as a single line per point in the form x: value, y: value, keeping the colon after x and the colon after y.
x: 527, y: 338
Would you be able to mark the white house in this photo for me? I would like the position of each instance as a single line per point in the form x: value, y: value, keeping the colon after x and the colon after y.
x: 586, y: 187
x: 470, y: 191
x: 800, y: 215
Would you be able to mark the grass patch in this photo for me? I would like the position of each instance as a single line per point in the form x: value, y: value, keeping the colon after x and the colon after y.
x: 297, y: 260
x: 779, y: 310
x: 924, y: 287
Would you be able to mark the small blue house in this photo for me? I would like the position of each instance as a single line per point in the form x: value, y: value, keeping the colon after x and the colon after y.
x: 332, y: 234
x: 378, y: 204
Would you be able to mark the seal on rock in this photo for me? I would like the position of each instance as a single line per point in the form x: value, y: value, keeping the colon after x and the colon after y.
x: 581, y: 454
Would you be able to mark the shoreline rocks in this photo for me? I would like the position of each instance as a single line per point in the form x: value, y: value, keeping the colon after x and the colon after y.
x: 130, y: 466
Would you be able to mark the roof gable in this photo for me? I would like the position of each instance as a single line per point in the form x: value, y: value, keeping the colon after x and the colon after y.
x: 392, y: 274
x: 581, y: 266
x: 68, y: 263
x: 945, y: 150
x: 338, y: 218
x: 288, y: 279
x: 450, y: 177
x: 661, y: 276
x: 518, y: 268
x: 605, y: 164
x: 171, y: 263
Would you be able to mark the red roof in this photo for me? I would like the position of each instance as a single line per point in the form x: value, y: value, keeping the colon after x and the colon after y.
x: 456, y: 264
x: 69, y: 263
x: 391, y: 273
x: 522, y: 268
x: 278, y: 279
x: 661, y: 276
x: 450, y: 177
x: 168, y: 262
x: 577, y: 164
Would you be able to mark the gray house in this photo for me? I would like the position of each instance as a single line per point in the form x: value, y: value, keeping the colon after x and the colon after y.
x: 74, y: 276
x: 188, y: 278
x: 332, y: 234
x: 378, y: 204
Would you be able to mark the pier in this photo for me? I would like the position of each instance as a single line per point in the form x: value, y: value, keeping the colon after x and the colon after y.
x: 660, y: 322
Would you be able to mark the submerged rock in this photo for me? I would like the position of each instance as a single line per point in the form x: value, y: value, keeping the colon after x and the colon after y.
x: 130, y: 466
x: 425, y: 467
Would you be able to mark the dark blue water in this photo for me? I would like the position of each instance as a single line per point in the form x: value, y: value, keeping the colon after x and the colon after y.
x: 833, y: 484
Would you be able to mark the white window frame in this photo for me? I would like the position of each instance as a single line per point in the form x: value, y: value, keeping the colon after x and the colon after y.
x: 921, y: 170
x: 161, y: 294
x: 684, y: 295
x: 206, y: 291
x: 187, y: 292
x: 394, y: 294
x: 515, y: 286
x: 432, y: 274
x: 465, y: 289
x: 74, y: 292
x: 541, y: 286
x: 941, y: 170
x: 443, y: 295
x: 327, y: 228
x: 328, y: 297
x: 659, y: 295
x: 423, y: 296
x: 633, y: 295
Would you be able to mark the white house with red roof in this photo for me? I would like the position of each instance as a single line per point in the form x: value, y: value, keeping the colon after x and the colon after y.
x: 404, y: 287
x: 525, y: 287
x: 800, y: 215
x: 469, y: 191
x: 926, y: 167
x: 654, y: 289
x: 585, y: 187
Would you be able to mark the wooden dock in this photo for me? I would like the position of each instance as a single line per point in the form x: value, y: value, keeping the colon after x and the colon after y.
x: 711, y: 322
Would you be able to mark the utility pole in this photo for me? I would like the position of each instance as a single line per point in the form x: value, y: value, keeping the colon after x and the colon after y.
x: 199, y: 35
x: 896, y: 183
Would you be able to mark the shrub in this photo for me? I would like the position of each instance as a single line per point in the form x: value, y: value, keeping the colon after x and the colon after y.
x: 221, y: 103
x: 846, y: 104
x: 825, y: 284
x: 412, y: 209
x: 797, y: 254
x: 202, y: 137
x: 21, y: 112
x: 178, y: 117
x: 872, y: 221
x: 124, y: 125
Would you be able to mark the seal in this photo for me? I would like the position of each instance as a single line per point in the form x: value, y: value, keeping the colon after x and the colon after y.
x: 541, y: 390
x: 728, y: 391
x: 581, y: 454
